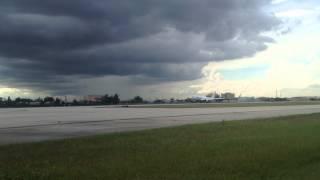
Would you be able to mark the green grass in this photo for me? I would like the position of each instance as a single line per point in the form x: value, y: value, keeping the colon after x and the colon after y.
x: 278, y: 148
x: 221, y: 105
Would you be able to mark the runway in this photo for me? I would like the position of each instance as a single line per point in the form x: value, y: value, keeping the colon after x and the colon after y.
x: 39, y: 124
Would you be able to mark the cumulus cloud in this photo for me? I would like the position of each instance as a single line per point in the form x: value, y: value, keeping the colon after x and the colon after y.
x: 291, y: 67
x: 45, y: 41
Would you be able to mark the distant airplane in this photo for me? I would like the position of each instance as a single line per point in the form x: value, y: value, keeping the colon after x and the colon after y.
x: 207, y: 99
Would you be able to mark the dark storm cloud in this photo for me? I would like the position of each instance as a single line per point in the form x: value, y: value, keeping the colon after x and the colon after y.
x: 44, y: 40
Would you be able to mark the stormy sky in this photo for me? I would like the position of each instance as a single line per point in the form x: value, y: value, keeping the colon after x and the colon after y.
x: 82, y: 47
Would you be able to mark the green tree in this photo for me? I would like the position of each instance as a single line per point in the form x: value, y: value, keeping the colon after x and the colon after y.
x: 137, y: 100
x: 57, y: 101
x: 75, y: 102
x: 9, y: 101
x: 116, y: 99
x: 49, y: 99
x: 106, y: 99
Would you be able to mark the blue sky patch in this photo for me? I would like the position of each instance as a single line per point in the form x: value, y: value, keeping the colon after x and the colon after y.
x: 245, y: 73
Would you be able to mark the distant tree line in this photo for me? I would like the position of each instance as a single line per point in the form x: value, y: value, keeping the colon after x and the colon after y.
x: 56, y: 101
x: 25, y: 102
x: 106, y: 99
x: 269, y: 99
x: 115, y: 100
x: 135, y: 100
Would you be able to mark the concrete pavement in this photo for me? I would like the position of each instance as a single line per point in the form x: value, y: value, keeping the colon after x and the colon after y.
x: 39, y: 124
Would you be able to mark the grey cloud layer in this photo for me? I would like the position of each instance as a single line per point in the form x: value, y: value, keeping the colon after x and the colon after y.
x: 41, y: 40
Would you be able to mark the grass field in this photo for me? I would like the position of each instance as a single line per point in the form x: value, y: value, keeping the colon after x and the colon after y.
x: 278, y: 148
x: 217, y: 105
